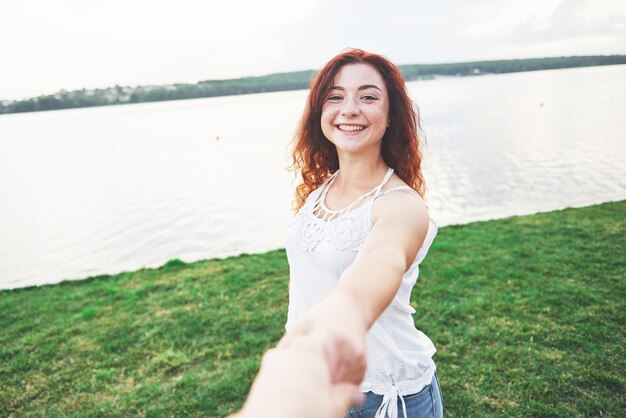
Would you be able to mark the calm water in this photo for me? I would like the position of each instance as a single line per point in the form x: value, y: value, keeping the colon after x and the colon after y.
x: 104, y: 190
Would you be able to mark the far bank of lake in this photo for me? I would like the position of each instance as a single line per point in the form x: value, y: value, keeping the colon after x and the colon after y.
x: 286, y: 81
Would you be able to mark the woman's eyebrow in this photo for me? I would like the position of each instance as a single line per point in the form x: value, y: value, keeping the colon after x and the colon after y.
x: 363, y: 87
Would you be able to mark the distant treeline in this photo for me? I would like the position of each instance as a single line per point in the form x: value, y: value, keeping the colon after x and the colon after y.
x: 281, y: 82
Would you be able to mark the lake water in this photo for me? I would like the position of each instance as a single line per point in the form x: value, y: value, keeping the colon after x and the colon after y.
x: 110, y: 189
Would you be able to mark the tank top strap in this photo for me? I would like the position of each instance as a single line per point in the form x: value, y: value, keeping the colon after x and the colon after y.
x: 385, y: 180
x: 321, y: 198
x: 321, y: 190
x: 332, y: 176
x: 325, y: 187
x: 397, y: 188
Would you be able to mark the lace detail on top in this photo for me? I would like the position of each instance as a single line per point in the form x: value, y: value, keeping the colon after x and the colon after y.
x: 345, y: 228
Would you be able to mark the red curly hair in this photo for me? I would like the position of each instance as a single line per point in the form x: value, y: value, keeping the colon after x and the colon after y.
x: 315, y: 157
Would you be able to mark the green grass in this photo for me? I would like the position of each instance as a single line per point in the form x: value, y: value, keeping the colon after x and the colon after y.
x: 527, y: 314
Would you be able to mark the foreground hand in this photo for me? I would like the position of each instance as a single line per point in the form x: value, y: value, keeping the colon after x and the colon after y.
x: 335, y: 324
x: 295, y: 382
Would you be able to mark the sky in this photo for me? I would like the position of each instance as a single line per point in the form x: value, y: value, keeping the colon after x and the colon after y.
x: 46, y: 46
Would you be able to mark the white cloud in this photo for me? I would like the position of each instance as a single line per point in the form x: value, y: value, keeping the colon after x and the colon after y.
x: 573, y: 19
x: 49, y: 45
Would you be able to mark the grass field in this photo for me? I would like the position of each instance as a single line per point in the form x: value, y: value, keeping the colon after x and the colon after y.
x: 527, y: 314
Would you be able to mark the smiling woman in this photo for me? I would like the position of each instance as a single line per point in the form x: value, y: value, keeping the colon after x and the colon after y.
x: 316, y: 158
x: 361, y: 230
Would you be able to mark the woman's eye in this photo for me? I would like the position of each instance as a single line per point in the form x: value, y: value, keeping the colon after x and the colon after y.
x: 368, y: 97
x: 334, y: 97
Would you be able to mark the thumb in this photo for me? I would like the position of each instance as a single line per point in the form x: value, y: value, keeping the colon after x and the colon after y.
x: 299, y: 329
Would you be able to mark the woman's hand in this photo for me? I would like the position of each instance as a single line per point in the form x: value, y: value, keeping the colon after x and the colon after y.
x: 337, y: 326
x: 295, y: 382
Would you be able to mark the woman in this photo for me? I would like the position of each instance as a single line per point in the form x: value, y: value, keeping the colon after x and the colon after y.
x: 360, y: 232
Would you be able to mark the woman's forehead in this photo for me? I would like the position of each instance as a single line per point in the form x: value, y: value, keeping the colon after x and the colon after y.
x: 358, y: 75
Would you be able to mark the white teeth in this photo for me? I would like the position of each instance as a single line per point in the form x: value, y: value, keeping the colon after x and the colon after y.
x: 351, y: 128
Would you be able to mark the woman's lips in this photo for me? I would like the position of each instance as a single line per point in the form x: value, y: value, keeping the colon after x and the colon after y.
x: 350, y: 128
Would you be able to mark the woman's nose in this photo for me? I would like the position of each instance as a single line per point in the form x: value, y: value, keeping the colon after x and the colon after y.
x: 350, y: 108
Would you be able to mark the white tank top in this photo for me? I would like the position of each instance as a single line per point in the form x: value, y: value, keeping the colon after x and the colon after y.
x: 321, y: 244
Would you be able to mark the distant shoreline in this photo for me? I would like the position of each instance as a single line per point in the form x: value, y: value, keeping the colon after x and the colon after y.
x: 296, y: 80
x: 620, y: 200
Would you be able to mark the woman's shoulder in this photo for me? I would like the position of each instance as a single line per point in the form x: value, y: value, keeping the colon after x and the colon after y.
x: 397, y: 189
x: 398, y: 199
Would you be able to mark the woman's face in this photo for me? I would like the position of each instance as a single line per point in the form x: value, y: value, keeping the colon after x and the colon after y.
x: 355, y: 113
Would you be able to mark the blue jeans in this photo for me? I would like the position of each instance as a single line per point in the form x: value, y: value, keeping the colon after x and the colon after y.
x: 426, y: 403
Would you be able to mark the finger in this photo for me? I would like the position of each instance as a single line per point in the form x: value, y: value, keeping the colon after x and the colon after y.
x: 345, y: 396
x: 358, y: 397
x: 347, y: 362
x: 332, y: 355
x: 354, y: 370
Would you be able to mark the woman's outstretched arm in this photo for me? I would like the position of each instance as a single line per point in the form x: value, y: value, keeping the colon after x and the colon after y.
x: 370, y: 283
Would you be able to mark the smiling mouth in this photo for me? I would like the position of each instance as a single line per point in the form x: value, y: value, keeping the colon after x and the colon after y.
x: 350, y: 128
